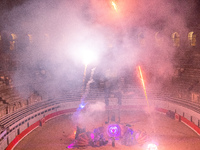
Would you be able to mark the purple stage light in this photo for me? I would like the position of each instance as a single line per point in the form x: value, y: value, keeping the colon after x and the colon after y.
x: 71, y: 146
x: 81, y: 106
x: 92, y: 135
x: 114, y: 130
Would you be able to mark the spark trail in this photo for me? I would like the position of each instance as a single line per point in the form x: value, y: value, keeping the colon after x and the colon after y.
x: 142, y: 80
x: 88, y: 85
x: 114, y: 5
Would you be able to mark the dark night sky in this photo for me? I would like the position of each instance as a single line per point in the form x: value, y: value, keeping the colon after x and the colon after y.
x: 198, y: 6
x: 9, y: 4
x: 193, y: 19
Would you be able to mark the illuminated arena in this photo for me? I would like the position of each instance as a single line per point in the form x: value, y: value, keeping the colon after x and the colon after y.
x: 92, y: 74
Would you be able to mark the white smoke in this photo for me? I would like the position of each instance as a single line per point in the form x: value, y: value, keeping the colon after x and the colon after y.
x: 87, y: 88
x: 92, y: 117
x: 74, y: 26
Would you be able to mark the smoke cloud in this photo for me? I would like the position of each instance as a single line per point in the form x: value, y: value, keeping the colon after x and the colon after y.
x: 138, y: 33
x: 93, y: 117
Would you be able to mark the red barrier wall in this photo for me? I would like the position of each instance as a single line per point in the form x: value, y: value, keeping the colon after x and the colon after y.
x: 59, y: 113
x: 35, y: 125
x: 161, y: 110
x: 22, y: 135
x: 191, y: 125
x: 32, y: 127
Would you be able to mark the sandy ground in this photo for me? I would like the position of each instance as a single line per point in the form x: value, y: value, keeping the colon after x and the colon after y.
x: 57, y: 133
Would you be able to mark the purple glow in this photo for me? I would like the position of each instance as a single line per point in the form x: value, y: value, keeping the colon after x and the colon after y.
x: 82, y: 105
x: 71, y: 145
x: 92, y: 135
x: 137, y: 135
x: 114, y: 130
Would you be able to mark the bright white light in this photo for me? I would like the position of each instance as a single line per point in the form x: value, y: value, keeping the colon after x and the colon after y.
x: 82, y: 105
x: 88, y: 57
x: 152, y: 147
x: 88, y: 47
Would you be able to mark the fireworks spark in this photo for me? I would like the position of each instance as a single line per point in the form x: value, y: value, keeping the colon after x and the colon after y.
x: 142, y: 80
x: 114, y: 5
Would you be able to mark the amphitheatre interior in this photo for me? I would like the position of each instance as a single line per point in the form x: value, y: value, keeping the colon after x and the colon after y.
x: 67, y: 64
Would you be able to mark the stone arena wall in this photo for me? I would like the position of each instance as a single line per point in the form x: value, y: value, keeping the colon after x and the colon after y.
x: 19, y: 130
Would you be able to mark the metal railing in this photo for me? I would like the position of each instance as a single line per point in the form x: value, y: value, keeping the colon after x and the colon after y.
x: 9, y: 119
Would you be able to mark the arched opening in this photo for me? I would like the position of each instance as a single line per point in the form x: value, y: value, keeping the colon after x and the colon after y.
x: 19, y: 104
x: 159, y: 40
x: 30, y: 37
x: 176, y: 39
x: 141, y: 39
x: 14, y: 107
x: 192, y: 38
x: 13, y: 41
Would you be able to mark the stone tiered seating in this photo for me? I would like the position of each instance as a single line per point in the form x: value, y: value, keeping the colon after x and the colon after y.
x: 191, y: 73
x: 3, y: 110
x: 184, y: 102
x: 195, y: 60
x: 9, y: 119
x: 12, y: 99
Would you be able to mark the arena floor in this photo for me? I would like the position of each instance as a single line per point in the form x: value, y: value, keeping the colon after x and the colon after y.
x: 57, y: 133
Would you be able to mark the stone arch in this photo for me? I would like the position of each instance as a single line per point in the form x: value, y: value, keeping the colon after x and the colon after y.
x: 19, y: 104
x: 14, y: 107
x: 158, y: 38
x: 176, y: 39
x: 192, y: 38
x: 30, y: 38
x: 13, y: 41
x: 141, y: 38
